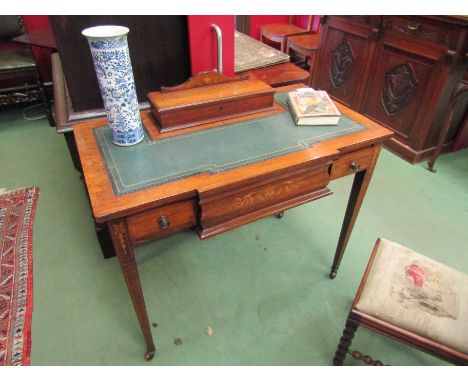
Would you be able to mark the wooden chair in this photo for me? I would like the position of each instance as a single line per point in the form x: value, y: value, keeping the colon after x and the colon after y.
x: 278, y: 33
x: 305, y: 46
x: 412, y: 299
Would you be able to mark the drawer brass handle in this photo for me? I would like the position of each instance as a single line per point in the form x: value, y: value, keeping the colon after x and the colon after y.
x: 354, y: 166
x: 414, y: 27
x: 164, y: 222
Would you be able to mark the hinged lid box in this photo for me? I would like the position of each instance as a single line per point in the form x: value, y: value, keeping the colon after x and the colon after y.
x: 194, y: 106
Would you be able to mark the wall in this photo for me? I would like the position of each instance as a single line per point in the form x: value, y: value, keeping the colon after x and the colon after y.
x: 41, y: 55
x: 203, y: 43
x: 202, y: 39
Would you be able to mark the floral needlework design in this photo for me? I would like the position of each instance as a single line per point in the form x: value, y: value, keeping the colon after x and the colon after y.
x: 115, y: 77
x: 424, y: 289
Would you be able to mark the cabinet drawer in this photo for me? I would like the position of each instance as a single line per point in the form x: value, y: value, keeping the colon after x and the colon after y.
x: 421, y: 30
x: 161, y: 221
x: 352, y: 162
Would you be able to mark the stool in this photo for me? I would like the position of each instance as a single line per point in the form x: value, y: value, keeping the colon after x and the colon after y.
x: 278, y: 33
x: 306, y: 46
x: 412, y: 299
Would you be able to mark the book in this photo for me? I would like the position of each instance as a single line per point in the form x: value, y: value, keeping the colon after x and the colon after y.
x: 311, y: 107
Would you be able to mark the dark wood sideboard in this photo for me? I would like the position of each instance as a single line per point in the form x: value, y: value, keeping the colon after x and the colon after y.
x: 397, y: 70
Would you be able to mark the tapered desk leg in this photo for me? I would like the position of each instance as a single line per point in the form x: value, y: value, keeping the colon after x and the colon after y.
x: 358, y: 191
x: 124, y: 251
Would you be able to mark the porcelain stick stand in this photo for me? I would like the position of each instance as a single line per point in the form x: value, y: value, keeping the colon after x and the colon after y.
x: 111, y: 58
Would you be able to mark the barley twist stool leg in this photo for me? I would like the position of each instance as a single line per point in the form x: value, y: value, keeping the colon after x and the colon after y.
x: 345, y: 342
x: 357, y: 355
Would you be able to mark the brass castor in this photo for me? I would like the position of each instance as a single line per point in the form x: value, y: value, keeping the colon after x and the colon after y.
x: 149, y: 355
x: 333, y: 273
x: 279, y: 215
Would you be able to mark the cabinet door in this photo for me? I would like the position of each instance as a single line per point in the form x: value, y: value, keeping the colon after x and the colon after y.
x: 344, y: 60
x: 402, y: 82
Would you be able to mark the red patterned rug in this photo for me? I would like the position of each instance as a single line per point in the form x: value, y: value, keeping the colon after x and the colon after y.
x: 17, y: 210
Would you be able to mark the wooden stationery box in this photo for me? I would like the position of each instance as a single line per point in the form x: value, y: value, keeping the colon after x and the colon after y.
x: 189, y: 107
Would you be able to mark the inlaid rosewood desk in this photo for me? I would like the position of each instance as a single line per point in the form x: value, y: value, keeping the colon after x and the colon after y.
x: 142, y: 194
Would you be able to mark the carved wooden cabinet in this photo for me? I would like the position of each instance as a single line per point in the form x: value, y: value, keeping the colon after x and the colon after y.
x: 346, y: 48
x: 398, y: 70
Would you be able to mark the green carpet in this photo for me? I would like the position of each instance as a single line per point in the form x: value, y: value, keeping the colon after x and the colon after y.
x: 263, y: 288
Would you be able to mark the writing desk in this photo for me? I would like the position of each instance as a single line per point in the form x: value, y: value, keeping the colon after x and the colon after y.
x: 220, y: 176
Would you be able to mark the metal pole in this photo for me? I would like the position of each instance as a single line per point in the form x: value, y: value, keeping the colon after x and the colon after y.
x: 219, y: 34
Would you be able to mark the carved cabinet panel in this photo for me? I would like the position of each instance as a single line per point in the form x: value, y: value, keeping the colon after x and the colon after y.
x: 398, y: 86
x: 343, y: 61
x: 397, y: 70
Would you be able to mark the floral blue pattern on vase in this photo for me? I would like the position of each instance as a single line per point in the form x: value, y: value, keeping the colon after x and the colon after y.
x: 111, y: 58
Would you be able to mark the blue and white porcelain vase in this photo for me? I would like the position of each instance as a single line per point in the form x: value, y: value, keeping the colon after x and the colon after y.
x: 114, y: 72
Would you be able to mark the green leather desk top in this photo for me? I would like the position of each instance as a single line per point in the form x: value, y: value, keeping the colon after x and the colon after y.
x: 218, y: 149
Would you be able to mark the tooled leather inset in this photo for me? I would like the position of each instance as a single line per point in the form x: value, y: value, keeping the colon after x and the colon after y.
x: 341, y: 64
x: 398, y: 88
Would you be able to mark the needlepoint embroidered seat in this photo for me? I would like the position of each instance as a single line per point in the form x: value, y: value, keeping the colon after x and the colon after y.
x: 415, y: 293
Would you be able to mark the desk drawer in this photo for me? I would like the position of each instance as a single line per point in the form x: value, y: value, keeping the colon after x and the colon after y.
x: 353, y: 162
x: 161, y: 221
x: 230, y: 207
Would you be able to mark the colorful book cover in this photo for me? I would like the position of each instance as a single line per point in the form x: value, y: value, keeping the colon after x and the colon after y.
x: 310, y: 103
